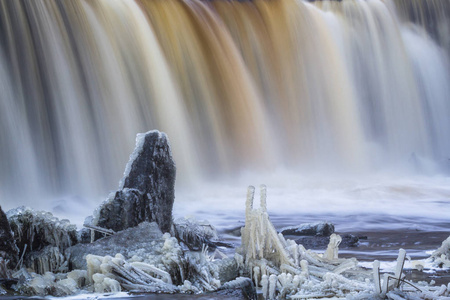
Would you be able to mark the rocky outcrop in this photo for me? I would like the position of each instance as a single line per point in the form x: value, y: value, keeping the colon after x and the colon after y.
x: 8, y: 249
x: 147, y: 190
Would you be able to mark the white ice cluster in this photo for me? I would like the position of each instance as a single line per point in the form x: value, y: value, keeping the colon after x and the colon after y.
x: 144, y: 272
x: 284, y: 269
x: 441, y: 257
x: 59, y: 284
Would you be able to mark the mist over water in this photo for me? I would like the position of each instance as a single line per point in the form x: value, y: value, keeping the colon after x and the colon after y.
x: 340, y: 107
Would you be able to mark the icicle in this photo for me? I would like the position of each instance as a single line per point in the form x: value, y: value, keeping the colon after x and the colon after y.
x: 263, y: 196
x: 256, y: 274
x: 333, y: 247
x: 400, y: 264
x: 376, y: 276
x: 305, y: 270
x: 265, y: 286
x: 272, y: 286
x: 152, y: 269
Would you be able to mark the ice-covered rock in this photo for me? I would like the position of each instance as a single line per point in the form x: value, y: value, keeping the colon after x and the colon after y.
x: 309, y: 229
x: 239, y: 288
x: 36, y: 230
x: 8, y: 248
x: 144, y: 243
x: 147, y: 190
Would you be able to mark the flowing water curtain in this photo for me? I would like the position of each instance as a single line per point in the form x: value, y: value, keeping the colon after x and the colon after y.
x: 43, y: 73
x: 289, y: 50
x: 225, y: 106
x: 137, y: 81
x: 395, y: 120
x: 427, y: 36
x: 87, y: 76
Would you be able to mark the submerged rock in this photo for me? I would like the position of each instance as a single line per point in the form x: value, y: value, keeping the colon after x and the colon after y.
x: 8, y: 249
x: 147, y: 190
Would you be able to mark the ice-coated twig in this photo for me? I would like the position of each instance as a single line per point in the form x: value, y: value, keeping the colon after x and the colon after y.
x: 149, y: 268
x: 20, y: 262
x: 100, y: 229
x: 134, y: 276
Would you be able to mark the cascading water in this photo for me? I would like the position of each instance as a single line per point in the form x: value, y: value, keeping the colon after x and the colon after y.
x: 349, y: 86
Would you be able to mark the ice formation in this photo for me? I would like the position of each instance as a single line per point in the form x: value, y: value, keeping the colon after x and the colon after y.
x: 283, y: 269
x: 41, y: 238
x: 441, y: 257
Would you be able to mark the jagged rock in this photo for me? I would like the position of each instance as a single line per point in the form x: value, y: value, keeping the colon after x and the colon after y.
x: 8, y: 249
x: 309, y: 229
x: 35, y: 230
x: 147, y: 190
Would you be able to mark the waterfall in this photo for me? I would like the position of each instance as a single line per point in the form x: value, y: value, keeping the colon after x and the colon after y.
x: 352, y: 85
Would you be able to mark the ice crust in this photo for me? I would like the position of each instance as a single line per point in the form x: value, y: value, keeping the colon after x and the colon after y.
x: 140, y: 140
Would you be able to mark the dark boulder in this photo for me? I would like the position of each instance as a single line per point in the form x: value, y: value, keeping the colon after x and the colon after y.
x: 8, y: 249
x: 147, y: 190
